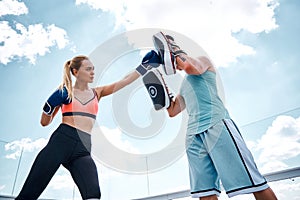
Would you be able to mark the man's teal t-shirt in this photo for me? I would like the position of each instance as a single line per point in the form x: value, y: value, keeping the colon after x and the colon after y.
x: 203, y: 104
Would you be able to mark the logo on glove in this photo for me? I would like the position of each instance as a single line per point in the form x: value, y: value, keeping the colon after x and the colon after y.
x: 152, y: 91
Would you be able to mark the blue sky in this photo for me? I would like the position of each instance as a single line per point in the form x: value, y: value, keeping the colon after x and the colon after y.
x: 254, y: 44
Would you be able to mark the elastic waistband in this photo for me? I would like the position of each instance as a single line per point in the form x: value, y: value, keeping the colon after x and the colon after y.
x: 72, y: 132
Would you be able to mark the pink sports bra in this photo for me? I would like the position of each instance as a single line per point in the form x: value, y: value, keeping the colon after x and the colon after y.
x: 76, y: 107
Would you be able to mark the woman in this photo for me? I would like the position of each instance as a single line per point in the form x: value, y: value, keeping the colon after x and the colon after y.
x: 70, y: 144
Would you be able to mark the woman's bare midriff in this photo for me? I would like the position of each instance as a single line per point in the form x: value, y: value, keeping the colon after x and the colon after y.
x: 80, y: 122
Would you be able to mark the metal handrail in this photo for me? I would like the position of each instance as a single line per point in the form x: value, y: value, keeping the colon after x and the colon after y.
x: 7, y: 197
x: 273, y: 176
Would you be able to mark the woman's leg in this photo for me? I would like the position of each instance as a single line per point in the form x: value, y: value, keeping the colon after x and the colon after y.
x: 46, y: 164
x: 85, y: 175
x: 42, y: 170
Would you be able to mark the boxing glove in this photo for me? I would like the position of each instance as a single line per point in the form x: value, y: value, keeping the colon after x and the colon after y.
x: 59, y: 97
x: 150, y: 60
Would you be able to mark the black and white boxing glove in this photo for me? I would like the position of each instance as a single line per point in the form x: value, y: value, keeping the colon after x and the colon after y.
x: 157, y: 89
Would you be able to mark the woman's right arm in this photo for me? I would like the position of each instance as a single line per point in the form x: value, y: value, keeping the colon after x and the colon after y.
x: 47, y: 119
x: 52, y: 105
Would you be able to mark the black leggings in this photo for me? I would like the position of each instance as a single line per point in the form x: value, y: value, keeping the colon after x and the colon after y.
x: 71, y: 148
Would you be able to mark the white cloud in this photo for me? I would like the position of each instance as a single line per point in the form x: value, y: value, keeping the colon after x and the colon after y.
x: 17, y: 41
x: 114, y: 136
x: 12, y: 7
x: 25, y: 144
x: 273, y: 166
x: 209, y: 23
x: 62, y: 182
x: 29, y: 41
x: 116, y: 6
x: 2, y: 187
x: 112, y: 150
x: 280, y: 142
x: 288, y: 189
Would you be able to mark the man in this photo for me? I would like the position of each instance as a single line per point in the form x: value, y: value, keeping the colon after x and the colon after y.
x: 215, y: 148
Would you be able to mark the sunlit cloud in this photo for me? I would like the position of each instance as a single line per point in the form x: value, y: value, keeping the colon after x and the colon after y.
x: 29, y: 42
x: 209, y: 23
x: 114, y: 136
x: 20, y: 41
x: 280, y: 143
x: 288, y: 189
x: 2, y: 187
x: 15, y: 148
x: 272, y: 166
x: 62, y: 182
x: 12, y: 7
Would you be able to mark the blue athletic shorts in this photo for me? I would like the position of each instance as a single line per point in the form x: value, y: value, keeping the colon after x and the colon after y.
x: 221, y: 155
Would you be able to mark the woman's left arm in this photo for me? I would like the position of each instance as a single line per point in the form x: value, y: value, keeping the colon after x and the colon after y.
x: 116, y: 86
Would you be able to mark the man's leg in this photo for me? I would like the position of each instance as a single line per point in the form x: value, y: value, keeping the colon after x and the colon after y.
x: 266, y: 194
x: 204, y: 180
x: 212, y: 197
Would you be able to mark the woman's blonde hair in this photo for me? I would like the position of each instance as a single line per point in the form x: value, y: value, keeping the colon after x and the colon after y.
x: 69, y: 66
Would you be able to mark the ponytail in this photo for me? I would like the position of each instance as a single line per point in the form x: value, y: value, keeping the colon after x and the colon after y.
x: 67, y: 80
x: 71, y: 65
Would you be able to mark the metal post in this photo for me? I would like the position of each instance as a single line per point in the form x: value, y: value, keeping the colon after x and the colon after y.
x: 12, y: 192
x: 147, y: 176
